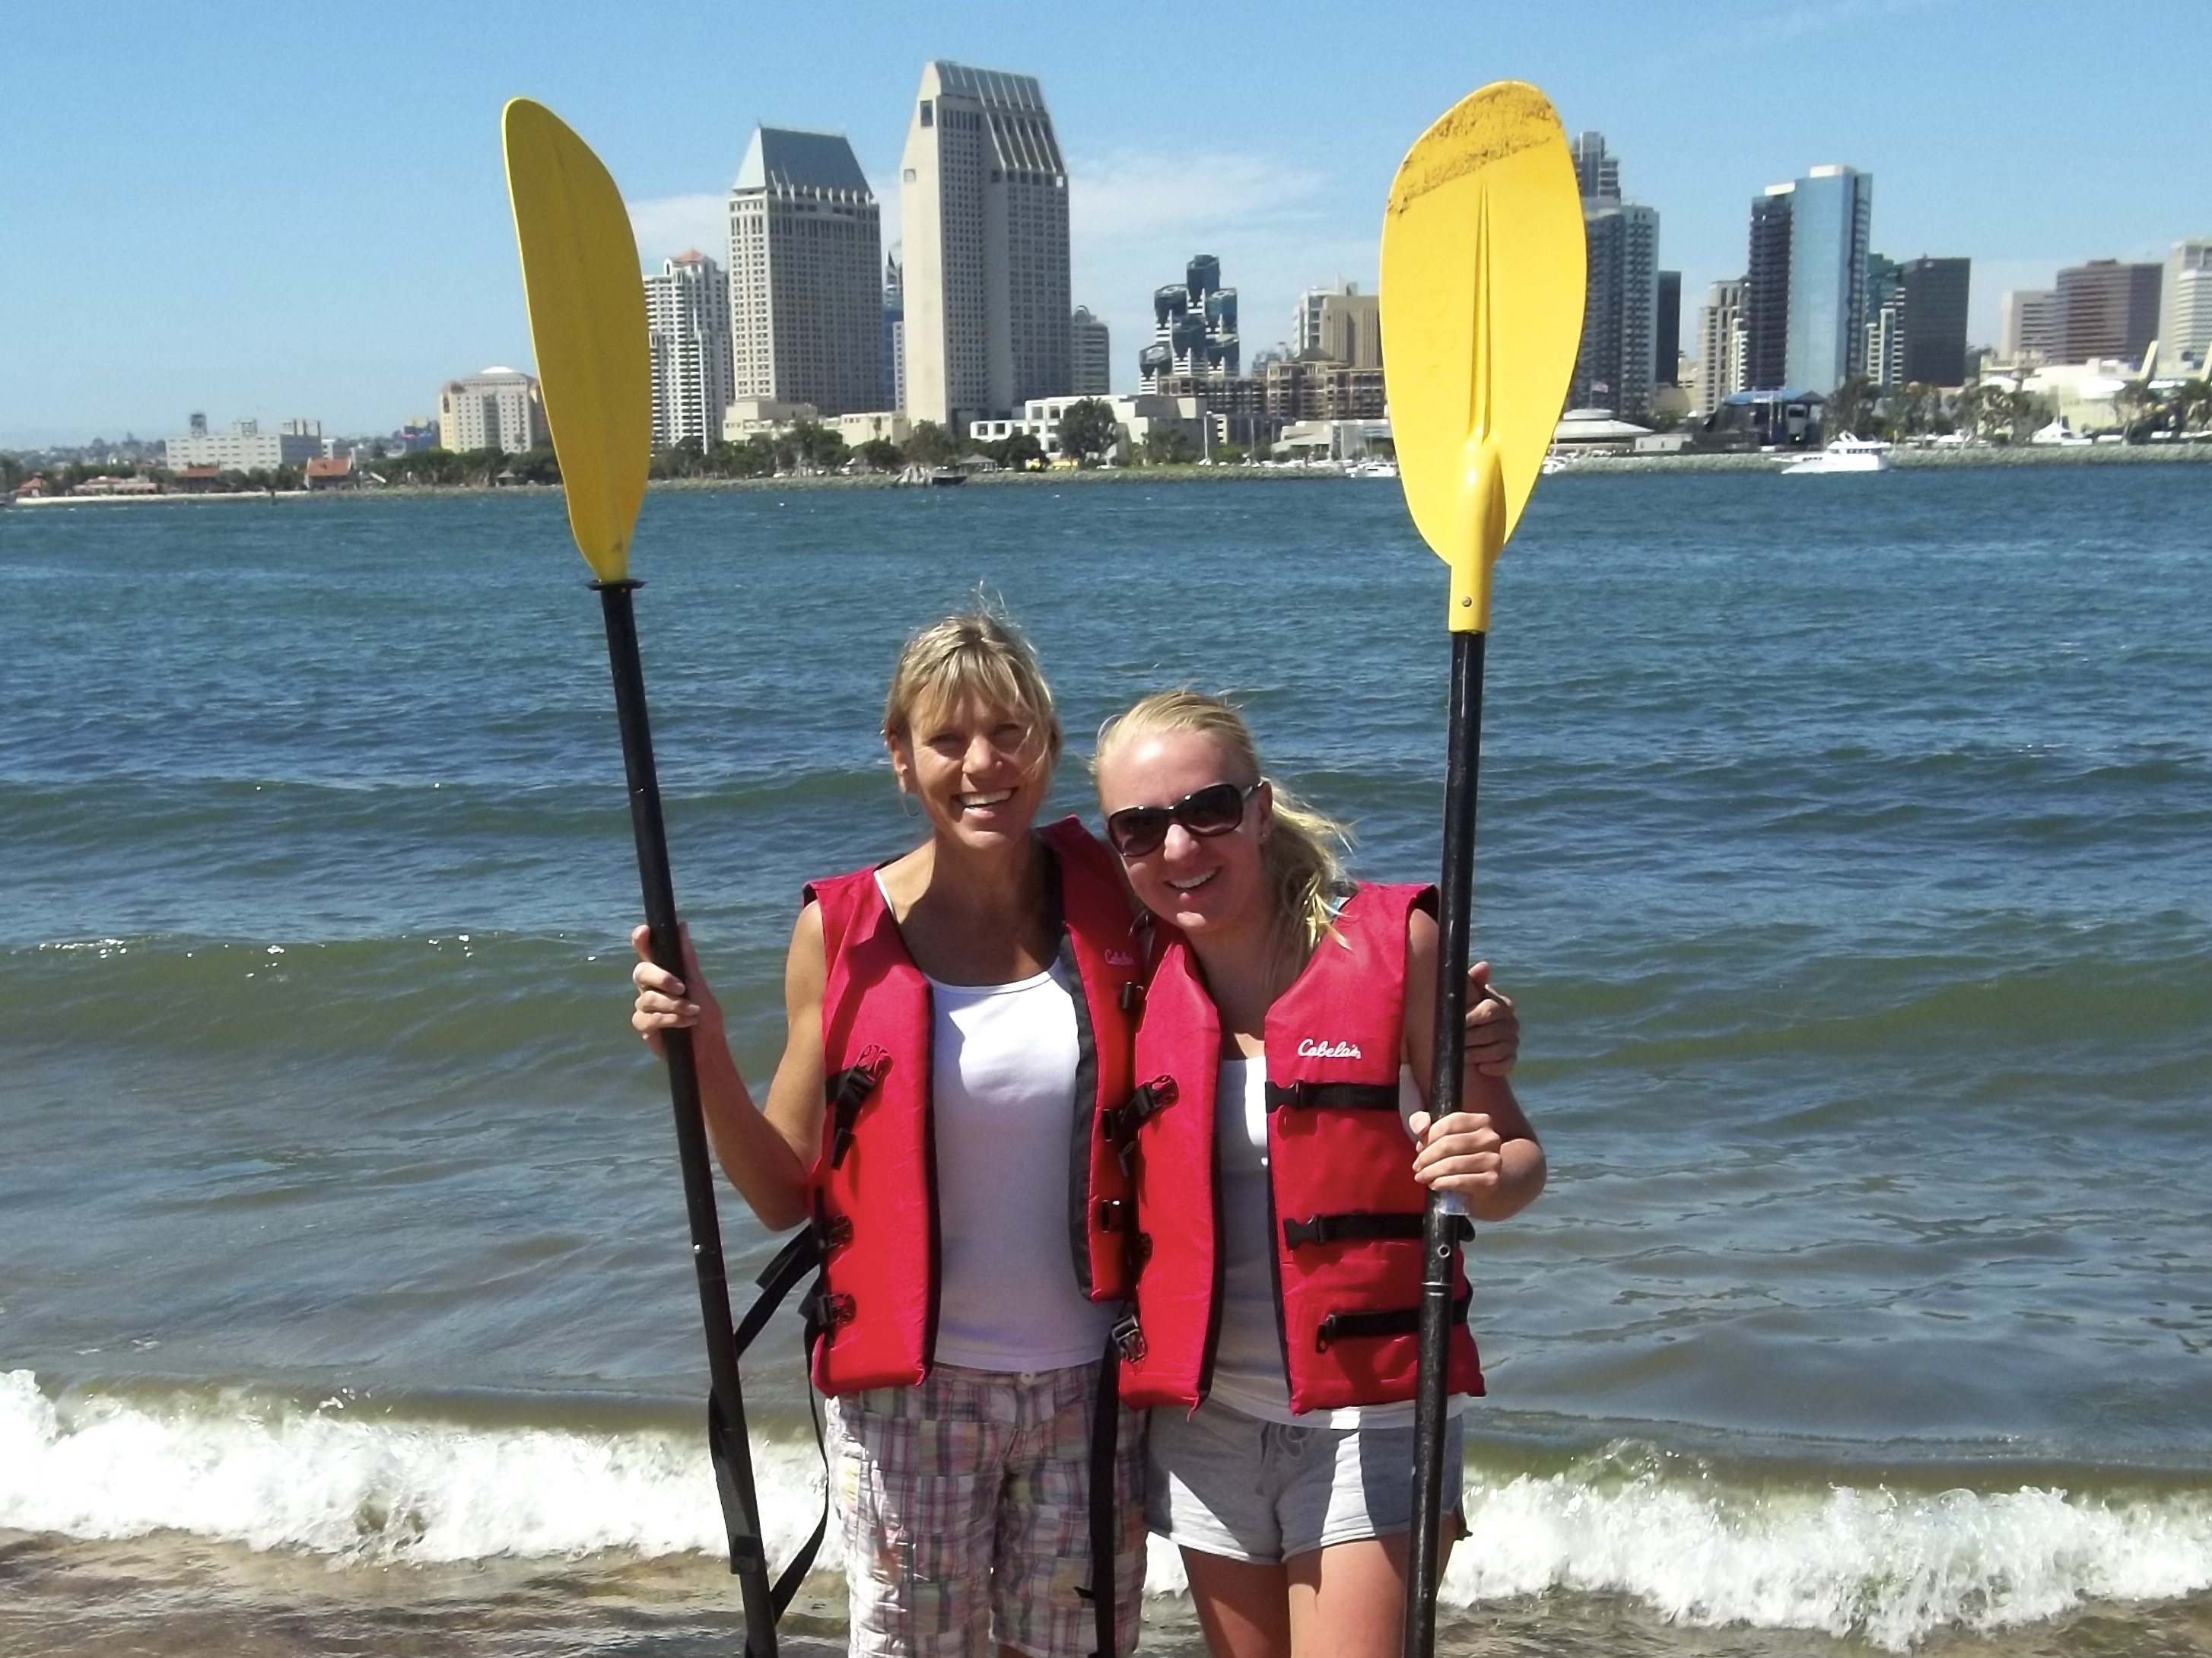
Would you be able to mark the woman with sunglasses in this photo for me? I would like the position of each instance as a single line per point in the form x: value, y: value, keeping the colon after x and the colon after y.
x: 959, y: 1022
x: 1282, y: 1159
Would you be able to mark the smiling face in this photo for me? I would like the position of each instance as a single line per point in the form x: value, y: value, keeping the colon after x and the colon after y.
x: 979, y: 771
x: 1212, y: 887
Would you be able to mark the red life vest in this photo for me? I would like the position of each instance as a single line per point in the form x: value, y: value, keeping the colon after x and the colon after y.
x: 875, y: 1182
x: 1345, y: 1209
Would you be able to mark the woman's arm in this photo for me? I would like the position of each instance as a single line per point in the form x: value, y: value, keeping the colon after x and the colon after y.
x: 1485, y: 1152
x: 768, y: 1154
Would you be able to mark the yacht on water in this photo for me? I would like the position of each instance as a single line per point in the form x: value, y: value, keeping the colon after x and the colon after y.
x: 1846, y: 454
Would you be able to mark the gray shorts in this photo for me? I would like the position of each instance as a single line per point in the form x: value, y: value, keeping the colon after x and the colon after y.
x: 1223, y: 1483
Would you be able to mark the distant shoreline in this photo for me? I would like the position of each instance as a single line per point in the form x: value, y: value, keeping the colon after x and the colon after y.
x: 1903, y: 460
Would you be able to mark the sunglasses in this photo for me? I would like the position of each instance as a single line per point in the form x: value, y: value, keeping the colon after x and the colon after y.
x: 1137, y: 831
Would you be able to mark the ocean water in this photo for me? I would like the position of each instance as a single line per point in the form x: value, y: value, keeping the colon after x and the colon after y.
x: 1847, y: 843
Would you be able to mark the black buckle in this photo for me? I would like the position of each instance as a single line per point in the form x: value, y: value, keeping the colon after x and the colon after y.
x: 847, y: 1091
x: 1112, y: 1213
x: 836, y: 1232
x: 1132, y: 997
x: 1120, y: 1123
x: 1129, y: 1338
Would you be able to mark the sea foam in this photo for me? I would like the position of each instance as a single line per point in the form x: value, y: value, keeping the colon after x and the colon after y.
x: 1888, y: 1567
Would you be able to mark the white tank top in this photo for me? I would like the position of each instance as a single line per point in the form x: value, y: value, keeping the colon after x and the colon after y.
x: 1003, y: 1080
x: 1247, y: 1362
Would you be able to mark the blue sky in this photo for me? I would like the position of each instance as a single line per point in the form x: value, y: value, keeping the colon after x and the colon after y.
x: 274, y: 211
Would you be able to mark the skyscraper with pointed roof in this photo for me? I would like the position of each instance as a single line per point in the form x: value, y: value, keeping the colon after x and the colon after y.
x: 806, y: 307
x: 983, y: 201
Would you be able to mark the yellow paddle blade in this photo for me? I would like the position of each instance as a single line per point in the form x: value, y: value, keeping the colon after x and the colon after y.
x: 1483, y: 272
x: 586, y: 297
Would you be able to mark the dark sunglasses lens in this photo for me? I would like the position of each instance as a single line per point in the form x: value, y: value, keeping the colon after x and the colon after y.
x: 1212, y: 811
x: 1138, y: 830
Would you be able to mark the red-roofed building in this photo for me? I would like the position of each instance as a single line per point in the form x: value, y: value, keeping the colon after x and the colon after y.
x: 330, y: 472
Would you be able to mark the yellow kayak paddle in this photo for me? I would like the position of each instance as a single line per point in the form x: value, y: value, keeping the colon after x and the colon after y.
x: 586, y: 296
x: 1483, y: 275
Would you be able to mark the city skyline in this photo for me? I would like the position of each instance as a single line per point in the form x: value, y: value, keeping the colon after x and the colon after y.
x: 280, y: 296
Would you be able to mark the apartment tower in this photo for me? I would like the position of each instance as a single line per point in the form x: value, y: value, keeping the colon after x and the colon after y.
x: 1766, y: 292
x: 2107, y: 309
x: 687, y: 314
x: 1091, y: 355
x: 806, y: 303
x: 1721, y: 345
x: 983, y: 196
x: 2185, y: 308
x: 1617, y: 363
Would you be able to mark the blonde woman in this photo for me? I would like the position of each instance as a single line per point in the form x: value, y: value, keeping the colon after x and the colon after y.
x: 1282, y: 1155
x: 958, y: 1019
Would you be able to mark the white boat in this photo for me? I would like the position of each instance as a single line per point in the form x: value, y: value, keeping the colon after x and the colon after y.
x: 1846, y: 454
x: 1376, y: 468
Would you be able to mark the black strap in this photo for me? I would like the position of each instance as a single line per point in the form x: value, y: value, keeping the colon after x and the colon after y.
x: 1105, y: 1511
x: 802, y: 1255
x: 1396, y: 1322
x: 1362, y: 1228
x: 847, y: 1090
x: 1334, y: 1096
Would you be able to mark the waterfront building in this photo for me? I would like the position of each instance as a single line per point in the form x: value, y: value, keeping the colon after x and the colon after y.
x: 1666, y: 325
x: 2184, y: 310
x: 2107, y: 309
x: 1884, y: 332
x: 983, y: 196
x: 1615, y: 368
x: 687, y: 317
x: 498, y: 408
x: 1091, y: 355
x: 2027, y: 326
x: 1193, y: 329
x: 1310, y: 387
x: 1831, y: 213
x: 1766, y: 290
x: 1340, y: 323
x: 245, y: 448
x: 1721, y: 344
x: 894, y: 332
x: 1931, y: 349
x: 805, y: 265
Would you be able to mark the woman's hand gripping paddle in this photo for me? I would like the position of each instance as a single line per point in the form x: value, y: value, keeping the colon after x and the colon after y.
x: 1483, y: 274
x: 580, y: 276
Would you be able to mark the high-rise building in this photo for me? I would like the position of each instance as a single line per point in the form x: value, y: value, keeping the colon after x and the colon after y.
x: 1885, y: 324
x: 1766, y: 292
x: 687, y: 315
x: 894, y: 333
x: 498, y: 408
x: 1618, y: 363
x: 1831, y: 213
x: 2027, y: 326
x: 1613, y: 368
x: 1931, y: 348
x: 1091, y: 355
x: 1721, y: 344
x: 983, y: 197
x: 1193, y: 329
x: 2185, y: 307
x: 2107, y: 309
x: 1666, y: 325
x: 806, y: 320
x: 1597, y: 173
x: 1340, y: 323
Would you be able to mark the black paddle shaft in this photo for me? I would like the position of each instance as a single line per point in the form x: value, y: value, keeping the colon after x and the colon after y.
x: 1442, y: 1229
x: 727, y: 1444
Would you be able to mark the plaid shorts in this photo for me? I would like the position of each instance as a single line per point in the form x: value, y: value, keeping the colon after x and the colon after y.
x: 964, y: 1504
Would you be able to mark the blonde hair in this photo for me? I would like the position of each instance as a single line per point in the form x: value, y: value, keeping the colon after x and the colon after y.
x: 978, y: 652
x: 1299, y: 857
